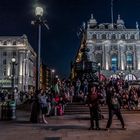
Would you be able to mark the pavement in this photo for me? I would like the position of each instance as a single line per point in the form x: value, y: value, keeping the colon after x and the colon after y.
x: 68, y: 127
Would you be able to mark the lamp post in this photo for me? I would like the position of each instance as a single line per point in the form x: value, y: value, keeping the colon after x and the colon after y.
x: 13, y: 60
x: 39, y: 14
x: 12, y: 104
x: 39, y: 22
x: 52, y: 76
x: 99, y: 70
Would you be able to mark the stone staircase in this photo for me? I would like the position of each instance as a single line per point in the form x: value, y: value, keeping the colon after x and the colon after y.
x: 81, y: 108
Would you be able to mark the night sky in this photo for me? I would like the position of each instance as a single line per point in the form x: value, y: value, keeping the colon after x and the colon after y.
x: 60, y: 44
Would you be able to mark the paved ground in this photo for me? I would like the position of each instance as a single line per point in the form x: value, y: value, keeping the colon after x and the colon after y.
x: 73, y: 127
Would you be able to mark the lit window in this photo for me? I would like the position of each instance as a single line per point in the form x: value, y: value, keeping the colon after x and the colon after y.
x: 129, y: 59
x: 114, y: 62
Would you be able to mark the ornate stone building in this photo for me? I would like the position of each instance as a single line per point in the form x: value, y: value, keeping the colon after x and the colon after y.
x: 19, y: 48
x: 115, y: 47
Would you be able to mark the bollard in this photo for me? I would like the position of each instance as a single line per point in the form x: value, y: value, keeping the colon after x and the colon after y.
x: 12, y: 105
x: 3, y: 111
x: 2, y: 114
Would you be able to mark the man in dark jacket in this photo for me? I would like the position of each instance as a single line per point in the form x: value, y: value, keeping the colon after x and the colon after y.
x: 93, y: 103
x: 114, y: 105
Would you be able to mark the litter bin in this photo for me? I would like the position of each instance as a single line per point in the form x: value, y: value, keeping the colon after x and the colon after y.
x: 12, y: 106
x: 5, y: 111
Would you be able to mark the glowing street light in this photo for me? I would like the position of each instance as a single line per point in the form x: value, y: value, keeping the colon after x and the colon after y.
x: 39, y: 11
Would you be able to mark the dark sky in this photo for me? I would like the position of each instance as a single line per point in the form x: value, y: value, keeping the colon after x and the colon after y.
x: 60, y: 43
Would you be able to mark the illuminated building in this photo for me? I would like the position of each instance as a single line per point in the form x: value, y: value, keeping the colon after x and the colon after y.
x: 115, y: 47
x: 19, y: 48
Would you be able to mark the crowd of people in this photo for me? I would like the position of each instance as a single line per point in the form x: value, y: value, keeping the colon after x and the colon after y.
x: 53, y: 100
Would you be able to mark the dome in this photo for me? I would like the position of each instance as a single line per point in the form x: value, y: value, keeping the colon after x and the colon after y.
x: 92, y: 21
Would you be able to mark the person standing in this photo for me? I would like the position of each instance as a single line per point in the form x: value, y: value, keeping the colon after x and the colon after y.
x: 93, y: 103
x: 114, y: 105
x: 43, y: 103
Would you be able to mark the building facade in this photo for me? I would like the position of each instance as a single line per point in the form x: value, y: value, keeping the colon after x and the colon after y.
x: 114, y: 47
x: 19, y: 48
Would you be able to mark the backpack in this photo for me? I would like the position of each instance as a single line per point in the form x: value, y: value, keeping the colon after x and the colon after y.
x: 93, y: 96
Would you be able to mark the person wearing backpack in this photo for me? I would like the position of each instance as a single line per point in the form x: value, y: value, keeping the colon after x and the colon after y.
x: 93, y: 103
x: 114, y: 105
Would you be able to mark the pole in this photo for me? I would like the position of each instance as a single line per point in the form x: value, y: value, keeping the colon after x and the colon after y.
x: 22, y: 77
x: 112, y: 14
x: 99, y: 73
x: 34, y: 118
x: 13, y: 75
x: 38, y: 61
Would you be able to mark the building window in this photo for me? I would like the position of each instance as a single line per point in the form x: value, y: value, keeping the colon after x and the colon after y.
x: 14, y: 53
x: 129, y: 59
x: 4, y: 62
x: 113, y: 37
x: 14, y: 43
x: 114, y: 47
x: 123, y: 36
x: 132, y: 37
x: 5, y: 43
x: 114, y: 62
x: 94, y: 36
x: 103, y: 36
x: 98, y: 48
x: 4, y: 71
x: 4, y: 53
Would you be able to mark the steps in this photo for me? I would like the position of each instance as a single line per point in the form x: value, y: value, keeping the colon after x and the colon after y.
x: 80, y: 108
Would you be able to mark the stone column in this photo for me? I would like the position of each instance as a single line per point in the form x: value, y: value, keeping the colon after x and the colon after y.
x: 119, y: 57
x: 134, y: 58
x: 107, y: 57
x: 138, y: 55
x: 103, y: 57
x: 21, y: 70
x: 122, y: 58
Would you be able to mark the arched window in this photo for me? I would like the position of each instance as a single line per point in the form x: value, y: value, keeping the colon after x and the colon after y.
x: 94, y: 36
x: 14, y: 42
x: 123, y: 36
x: 103, y: 36
x: 132, y: 37
x: 5, y: 43
x: 113, y: 37
x: 114, y: 62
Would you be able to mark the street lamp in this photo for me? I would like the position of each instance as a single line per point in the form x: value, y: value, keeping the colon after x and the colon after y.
x: 39, y: 21
x: 39, y: 14
x: 39, y: 11
x: 99, y: 68
x: 56, y: 76
x: 52, y: 76
x: 12, y: 103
